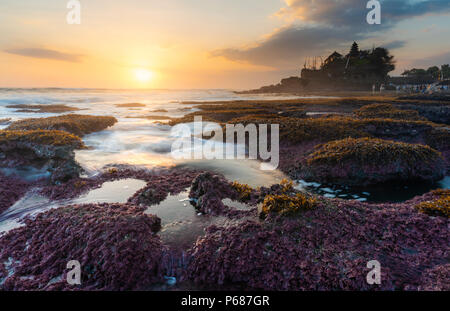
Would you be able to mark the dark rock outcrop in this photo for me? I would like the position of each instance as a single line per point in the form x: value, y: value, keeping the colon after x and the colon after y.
x: 76, y: 124
x: 51, y: 151
x: 367, y: 161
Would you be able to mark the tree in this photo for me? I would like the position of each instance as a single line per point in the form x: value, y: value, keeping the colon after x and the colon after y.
x: 434, y: 72
x: 415, y: 72
x: 445, y: 69
x: 381, y: 62
x: 354, y: 51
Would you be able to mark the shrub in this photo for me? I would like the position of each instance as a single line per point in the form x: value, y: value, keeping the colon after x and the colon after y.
x: 73, y: 123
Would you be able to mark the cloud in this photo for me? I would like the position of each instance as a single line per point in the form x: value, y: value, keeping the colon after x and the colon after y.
x: 394, y: 44
x: 348, y: 13
x: 45, y: 53
x: 288, y: 44
x: 434, y: 60
x: 326, y: 25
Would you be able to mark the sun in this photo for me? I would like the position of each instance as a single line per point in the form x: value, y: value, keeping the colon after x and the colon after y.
x: 143, y: 75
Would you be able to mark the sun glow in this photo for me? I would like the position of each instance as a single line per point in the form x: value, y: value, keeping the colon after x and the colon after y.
x: 143, y: 75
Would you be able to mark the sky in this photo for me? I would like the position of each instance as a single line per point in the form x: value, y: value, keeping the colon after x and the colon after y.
x: 184, y: 44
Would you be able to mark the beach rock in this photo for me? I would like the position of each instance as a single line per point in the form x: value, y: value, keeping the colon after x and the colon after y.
x: 51, y: 151
x: 42, y: 108
x: 435, y: 112
x: 160, y: 185
x: 162, y: 181
x: 387, y: 111
x: 437, y: 279
x: 130, y: 105
x: 115, y: 244
x: 293, y: 113
x: 5, y: 121
x: 208, y: 190
x: 367, y: 161
x: 76, y: 124
x: 437, y: 205
x: 11, y: 190
x: 325, y: 248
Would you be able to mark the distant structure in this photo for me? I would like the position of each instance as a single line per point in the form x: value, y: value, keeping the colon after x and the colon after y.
x: 357, y: 70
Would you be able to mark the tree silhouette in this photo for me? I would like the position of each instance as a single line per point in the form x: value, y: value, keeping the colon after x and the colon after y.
x: 445, y: 69
x: 362, y: 64
x: 354, y: 51
x: 381, y: 62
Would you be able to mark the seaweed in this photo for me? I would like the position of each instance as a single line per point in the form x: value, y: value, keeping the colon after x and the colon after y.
x: 79, y: 125
x: 115, y: 244
x: 370, y: 161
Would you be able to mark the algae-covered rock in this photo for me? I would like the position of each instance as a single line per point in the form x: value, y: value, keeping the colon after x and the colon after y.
x: 73, y: 123
x: 387, y: 111
x: 438, y: 205
x: 51, y: 151
x: 42, y: 108
x: 115, y: 245
x: 11, y: 190
x: 207, y: 192
x: 326, y: 247
x: 365, y: 161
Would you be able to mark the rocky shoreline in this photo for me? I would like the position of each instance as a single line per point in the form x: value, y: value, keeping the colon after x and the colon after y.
x: 268, y: 238
x: 320, y: 245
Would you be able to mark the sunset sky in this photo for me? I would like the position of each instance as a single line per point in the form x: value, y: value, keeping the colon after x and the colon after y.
x: 183, y: 44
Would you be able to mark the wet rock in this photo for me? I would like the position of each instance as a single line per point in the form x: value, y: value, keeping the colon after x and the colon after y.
x: 163, y: 183
x: 131, y: 105
x: 438, y: 113
x: 11, y: 190
x: 367, y: 161
x: 5, y: 121
x: 295, y: 113
x: 73, y: 123
x: 160, y: 183
x: 52, y: 151
x: 387, y: 111
x: 437, y: 279
x: 325, y: 248
x: 115, y: 245
x: 42, y: 108
x: 208, y: 191
x: 437, y: 205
